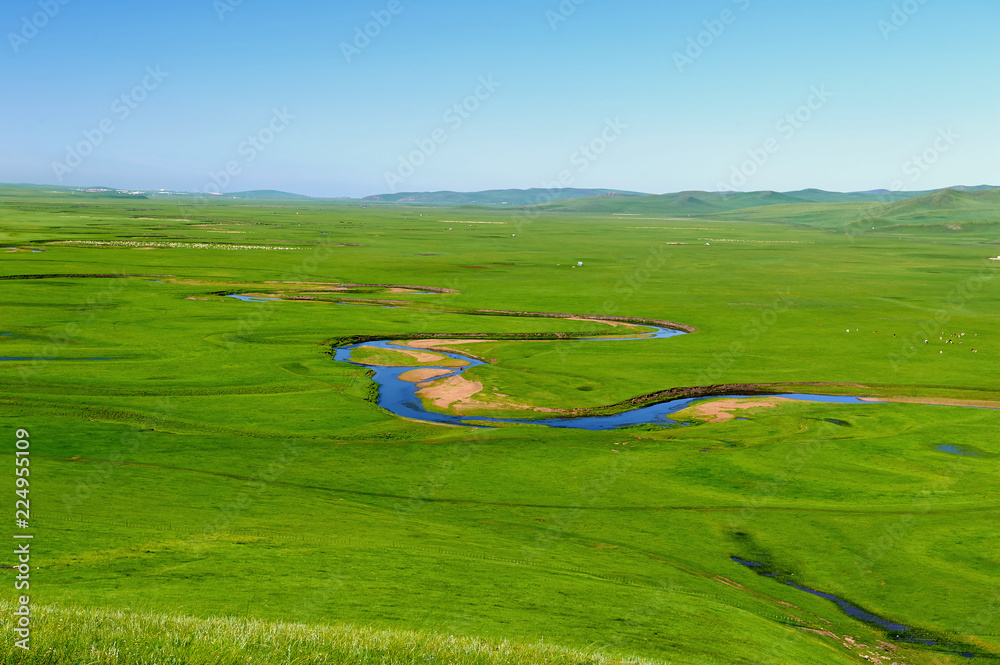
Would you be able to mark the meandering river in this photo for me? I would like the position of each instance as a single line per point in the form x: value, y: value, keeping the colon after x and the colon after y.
x: 400, y: 397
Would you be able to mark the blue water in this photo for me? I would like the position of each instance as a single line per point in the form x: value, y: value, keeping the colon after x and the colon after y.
x: 400, y: 397
x: 836, y: 399
x: 658, y: 333
x: 852, y: 610
x: 956, y: 450
x: 250, y: 298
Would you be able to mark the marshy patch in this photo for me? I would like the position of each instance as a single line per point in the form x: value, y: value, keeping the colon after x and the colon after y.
x: 953, y: 449
x: 893, y: 629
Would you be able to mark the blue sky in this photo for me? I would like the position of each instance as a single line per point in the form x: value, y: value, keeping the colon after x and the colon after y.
x: 782, y: 95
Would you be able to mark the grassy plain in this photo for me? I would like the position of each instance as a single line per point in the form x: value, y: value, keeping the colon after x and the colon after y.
x: 219, y: 465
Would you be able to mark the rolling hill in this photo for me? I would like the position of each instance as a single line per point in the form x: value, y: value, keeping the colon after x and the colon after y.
x: 497, y: 197
x: 682, y: 203
x: 969, y: 203
x: 269, y: 194
x: 945, y: 200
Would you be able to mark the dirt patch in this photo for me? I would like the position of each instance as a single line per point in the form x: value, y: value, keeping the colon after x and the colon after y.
x: 467, y: 405
x: 936, y: 401
x: 449, y: 391
x: 421, y: 375
x: 729, y: 582
x: 436, y: 343
x: 458, y: 393
x: 718, y: 411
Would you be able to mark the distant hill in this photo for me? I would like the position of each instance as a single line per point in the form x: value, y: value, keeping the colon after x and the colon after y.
x: 496, y: 197
x: 703, y: 203
x: 49, y: 188
x: 611, y: 201
x: 682, y: 203
x: 944, y: 201
x: 266, y: 194
x: 594, y: 201
x: 873, y: 196
x: 977, y: 188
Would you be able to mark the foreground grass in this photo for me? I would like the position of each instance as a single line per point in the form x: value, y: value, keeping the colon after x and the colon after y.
x: 95, y: 637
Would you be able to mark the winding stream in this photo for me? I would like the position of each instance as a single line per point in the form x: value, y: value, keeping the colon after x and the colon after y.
x: 400, y: 397
x: 897, y: 630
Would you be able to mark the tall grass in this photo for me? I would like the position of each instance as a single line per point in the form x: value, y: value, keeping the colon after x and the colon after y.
x: 65, y: 635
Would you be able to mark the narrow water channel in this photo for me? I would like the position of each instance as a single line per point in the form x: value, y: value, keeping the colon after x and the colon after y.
x: 400, y: 397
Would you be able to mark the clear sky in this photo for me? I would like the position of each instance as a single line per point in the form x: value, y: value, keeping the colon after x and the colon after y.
x: 293, y: 95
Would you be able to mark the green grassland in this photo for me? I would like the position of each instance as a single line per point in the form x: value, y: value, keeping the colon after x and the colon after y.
x: 388, y: 357
x: 217, y: 489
